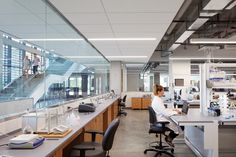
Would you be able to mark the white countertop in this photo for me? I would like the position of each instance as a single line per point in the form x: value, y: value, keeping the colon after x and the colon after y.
x: 49, y: 146
x: 195, y: 116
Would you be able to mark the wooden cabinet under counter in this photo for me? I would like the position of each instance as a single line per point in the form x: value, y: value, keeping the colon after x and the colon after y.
x: 146, y: 102
x: 136, y: 102
x: 140, y: 103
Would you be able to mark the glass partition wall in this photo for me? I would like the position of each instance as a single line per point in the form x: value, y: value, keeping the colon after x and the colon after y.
x: 44, y: 58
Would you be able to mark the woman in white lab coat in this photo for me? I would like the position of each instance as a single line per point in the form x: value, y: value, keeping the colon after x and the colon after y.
x: 164, y: 114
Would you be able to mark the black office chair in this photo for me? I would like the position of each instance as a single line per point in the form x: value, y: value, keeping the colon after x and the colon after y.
x: 121, y: 106
x: 94, y: 149
x: 158, y: 128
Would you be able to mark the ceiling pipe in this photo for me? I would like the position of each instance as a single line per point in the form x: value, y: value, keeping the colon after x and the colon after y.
x: 198, y: 22
x: 179, y: 14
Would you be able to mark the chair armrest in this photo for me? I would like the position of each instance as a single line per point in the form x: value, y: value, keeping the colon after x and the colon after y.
x: 83, y: 148
x: 94, y: 133
x: 162, y: 123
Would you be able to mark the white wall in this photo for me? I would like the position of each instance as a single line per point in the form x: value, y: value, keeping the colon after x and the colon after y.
x: 133, y: 82
x: 179, y: 69
x: 115, y: 76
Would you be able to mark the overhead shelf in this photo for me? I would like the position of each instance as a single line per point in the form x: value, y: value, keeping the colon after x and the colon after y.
x: 220, y: 84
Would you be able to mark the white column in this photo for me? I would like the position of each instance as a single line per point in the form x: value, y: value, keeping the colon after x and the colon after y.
x: 115, y: 76
x: 171, y: 80
x: 179, y: 69
x: 124, y: 79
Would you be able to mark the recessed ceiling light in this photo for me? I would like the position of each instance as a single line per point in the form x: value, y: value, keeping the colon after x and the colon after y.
x: 90, y: 39
x: 121, y: 39
x: 173, y: 47
x: 85, y: 57
x: 200, y: 58
x: 216, y: 4
x: 231, y: 5
x: 54, y: 39
x: 212, y: 41
x: 126, y: 56
x: 207, y: 14
x: 92, y: 57
x: 184, y: 36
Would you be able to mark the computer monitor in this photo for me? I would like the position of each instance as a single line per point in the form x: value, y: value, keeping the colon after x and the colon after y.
x: 185, y: 107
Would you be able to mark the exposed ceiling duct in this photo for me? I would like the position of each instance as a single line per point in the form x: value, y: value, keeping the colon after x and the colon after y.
x: 194, y: 17
x: 197, y: 18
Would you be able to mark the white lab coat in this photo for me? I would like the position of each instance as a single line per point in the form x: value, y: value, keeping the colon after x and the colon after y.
x: 163, y: 114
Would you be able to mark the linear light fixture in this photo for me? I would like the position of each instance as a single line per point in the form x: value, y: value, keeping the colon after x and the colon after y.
x: 207, y: 14
x: 231, y: 5
x: 173, y: 47
x: 216, y: 4
x: 121, y: 39
x: 53, y: 39
x: 111, y: 57
x: 200, y: 58
x: 126, y: 57
x: 98, y: 57
x: 198, y: 23
x: 212, y: 41
x: 85, y: 57
x: 184, y: 36
x: 90, y: 39
x: 191, y: 29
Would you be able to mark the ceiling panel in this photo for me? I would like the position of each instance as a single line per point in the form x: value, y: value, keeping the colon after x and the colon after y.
x: 140, y: 18
x: 79, y: 6
x: 121, y: 19
x: 133, y: 60
x: 135, y: 43
x: 142, y: 5
x: 144, y: 28
x: 88, y: 18
x: 136, y: 52
x: 139, y: 34
x: 99, y: 35
x: 104, y: 44
x: 94, y: 29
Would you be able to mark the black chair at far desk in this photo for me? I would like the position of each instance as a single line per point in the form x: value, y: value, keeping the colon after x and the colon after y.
x: 121, y: 106
x: 94, y: 149
x: 158, y: 128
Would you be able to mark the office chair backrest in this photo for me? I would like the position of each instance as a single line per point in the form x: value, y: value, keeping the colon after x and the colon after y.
x: 152, y: 115
x: 108, y: 137
x: 124, y: 98
x: 185, y: 107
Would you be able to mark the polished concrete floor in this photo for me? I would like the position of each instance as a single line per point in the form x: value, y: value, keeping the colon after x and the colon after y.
x: 132, y: 137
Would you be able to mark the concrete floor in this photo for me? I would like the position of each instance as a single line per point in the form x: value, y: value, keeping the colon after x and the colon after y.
x: 132, y: 137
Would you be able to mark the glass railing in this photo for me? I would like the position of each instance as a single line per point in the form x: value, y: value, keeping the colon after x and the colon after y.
x: 69, y: 66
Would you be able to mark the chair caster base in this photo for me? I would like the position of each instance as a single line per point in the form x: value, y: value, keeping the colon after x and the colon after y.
x: 160, y: 152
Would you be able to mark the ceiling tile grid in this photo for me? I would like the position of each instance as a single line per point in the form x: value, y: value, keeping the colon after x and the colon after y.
x: 121, y: 19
